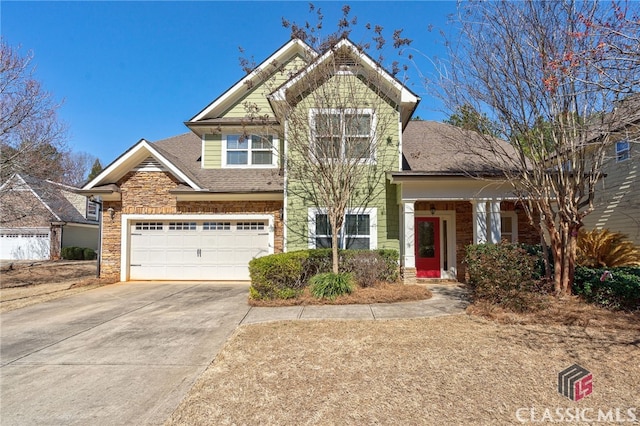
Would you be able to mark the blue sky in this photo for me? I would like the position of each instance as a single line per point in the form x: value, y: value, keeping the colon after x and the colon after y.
x: 129, y: 70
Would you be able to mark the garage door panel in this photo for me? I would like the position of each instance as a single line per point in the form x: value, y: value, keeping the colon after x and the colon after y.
x: 208, y: 251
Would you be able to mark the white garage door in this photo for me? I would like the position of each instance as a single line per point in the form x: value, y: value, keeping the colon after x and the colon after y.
x: 27, y: 246
x: 195, y: 250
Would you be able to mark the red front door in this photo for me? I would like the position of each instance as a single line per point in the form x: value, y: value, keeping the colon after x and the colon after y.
x: 427, y: 247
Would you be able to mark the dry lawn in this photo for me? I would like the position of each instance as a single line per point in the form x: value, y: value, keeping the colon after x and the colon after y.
x: 452, y: 370
x: 27, y: 283
x: 380, y: 293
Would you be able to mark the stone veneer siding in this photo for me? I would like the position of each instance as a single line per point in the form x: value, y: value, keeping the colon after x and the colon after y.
x: 148, y: 193
x: 527, y: 233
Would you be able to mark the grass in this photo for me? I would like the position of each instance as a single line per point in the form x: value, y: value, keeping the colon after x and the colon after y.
x: 462, y: 369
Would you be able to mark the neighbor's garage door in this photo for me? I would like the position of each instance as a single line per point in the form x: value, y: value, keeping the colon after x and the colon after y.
x: 28, y: 246
x: 216, y: 250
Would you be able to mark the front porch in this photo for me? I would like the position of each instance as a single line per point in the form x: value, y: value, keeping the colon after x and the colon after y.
x: 436, y: 233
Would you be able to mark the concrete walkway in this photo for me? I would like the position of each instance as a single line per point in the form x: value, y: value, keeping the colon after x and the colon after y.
x: 446, y: 300
x: 128, y: 353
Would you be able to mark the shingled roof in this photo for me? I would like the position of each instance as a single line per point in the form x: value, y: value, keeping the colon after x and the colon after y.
x: 185, y: 152
x: 433, y: 148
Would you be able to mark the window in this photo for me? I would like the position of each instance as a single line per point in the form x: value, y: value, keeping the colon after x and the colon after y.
x: 343, y: 134
x: 250, y: 226
x: 216, y: 226
x: 622, y: 151
x: 148, y: 226
x: 509, y: 226
x: 252, y: 150
x: 182, y: 226
x: 358, y: 229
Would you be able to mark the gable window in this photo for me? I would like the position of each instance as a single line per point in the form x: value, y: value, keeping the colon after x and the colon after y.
x: 622, y: 151
x: 358, y: 229
x: 248, y: 150
x: 92, y: 210
x: 343, y: 134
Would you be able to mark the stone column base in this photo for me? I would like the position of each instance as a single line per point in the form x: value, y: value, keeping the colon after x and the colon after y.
x: 409, y: 276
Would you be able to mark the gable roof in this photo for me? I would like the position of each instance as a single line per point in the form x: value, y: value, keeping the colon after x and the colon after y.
x: 405, y: 97
x: 440, y: 149
x: 232, y: 95
x: 132, y: 158
x: 58, y: 199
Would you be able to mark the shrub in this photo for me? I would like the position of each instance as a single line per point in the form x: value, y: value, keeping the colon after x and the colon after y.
x: 279, y: 276
x: 366, y: 267
x: 89, y: 254
x: 503, y: 274
x: 283, y: 275
x: 75, y: 253
x: 603, y: 248
x: 329, y: 285
x: 618, y: 290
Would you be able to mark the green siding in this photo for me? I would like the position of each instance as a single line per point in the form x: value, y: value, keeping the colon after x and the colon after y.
x: 387, y: 157
x: 257, y: 95
x: 212, y: 152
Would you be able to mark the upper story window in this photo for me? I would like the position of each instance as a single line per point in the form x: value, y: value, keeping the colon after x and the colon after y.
x: 343, y: 134
x: 622, y: 151
x: 248, y: 150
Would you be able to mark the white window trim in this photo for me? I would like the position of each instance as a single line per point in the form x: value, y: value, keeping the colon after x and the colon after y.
x: 514, y: 224
x: 373, y: 224
x: 623, y: 151
x: 313, y: 112
x: 274, y: 162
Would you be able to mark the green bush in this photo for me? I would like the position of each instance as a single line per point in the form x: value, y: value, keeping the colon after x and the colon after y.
x: 279, y: 276
x: 77, y: 253
x: 89, y: 254
x: 618, y: 290
x: 329, y: 285
x: 284, y: 275
x: 503, y: 274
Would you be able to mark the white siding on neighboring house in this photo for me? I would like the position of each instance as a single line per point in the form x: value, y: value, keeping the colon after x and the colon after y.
x: 618, y: 195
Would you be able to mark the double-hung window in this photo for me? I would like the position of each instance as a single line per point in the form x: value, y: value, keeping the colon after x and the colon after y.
x: 249, y: 150
x: 343, y: 134
x: 622, y: 151
x: 358, y: 230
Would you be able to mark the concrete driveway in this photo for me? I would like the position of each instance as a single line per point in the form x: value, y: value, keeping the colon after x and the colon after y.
x: 120, y: 354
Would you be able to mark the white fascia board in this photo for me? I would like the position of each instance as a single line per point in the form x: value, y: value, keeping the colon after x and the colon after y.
x: 126, y: 162
x: 405, y: 94
x: 294, y: 44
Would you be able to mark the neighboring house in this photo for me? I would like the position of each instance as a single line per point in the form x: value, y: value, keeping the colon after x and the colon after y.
x: 39, y: 217
x: 201, y: 205
x: 617, y: 199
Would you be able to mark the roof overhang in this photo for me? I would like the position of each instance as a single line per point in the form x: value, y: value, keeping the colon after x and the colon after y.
x: 130, y: 159
x: 407, y: 100
x: 227, y: 99
x: 204, y: 195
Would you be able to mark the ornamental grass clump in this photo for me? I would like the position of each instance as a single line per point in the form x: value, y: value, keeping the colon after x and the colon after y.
x: 605, y: 249
x: 329, y: 285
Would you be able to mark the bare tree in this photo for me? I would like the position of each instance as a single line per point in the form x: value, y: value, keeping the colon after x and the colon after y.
x: 341, y: 128
x: 76, y: 167
x: 32, y: 138
x: 551, y: 74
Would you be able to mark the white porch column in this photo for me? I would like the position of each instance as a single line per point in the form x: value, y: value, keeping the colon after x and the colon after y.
x: 479, y: 218
x: 495, y: 222
x: 408, y: 216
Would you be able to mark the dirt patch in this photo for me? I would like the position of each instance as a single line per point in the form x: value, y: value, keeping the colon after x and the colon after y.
x: 447, y: 370
x: 27, y: 283
x: 380, y: 293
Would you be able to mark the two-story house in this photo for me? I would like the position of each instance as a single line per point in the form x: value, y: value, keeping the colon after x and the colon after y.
x: 201, y: 205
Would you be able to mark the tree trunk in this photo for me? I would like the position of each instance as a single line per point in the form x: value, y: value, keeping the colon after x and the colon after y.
x: 334, y: 252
